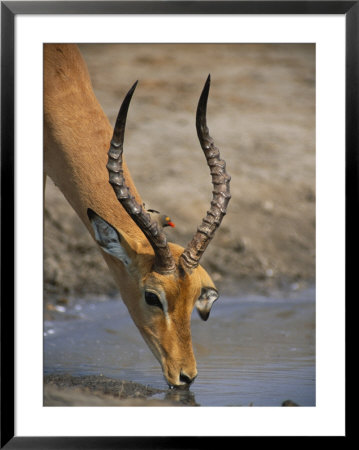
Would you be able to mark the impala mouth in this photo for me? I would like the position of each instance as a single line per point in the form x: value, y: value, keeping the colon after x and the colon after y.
x: 182, y: 381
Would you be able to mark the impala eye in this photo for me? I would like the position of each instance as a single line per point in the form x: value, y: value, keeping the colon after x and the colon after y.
x: 152, y: 299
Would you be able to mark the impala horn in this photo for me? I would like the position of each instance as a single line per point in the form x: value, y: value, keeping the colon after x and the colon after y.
x: 221, y: 193
x: 164, y: 262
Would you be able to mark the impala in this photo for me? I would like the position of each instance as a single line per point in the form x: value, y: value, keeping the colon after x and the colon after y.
x: 159, y: 282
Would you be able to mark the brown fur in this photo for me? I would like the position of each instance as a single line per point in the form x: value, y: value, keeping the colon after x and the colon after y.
x: 76, y: 139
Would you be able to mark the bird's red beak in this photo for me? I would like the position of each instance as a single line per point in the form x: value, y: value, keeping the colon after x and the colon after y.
x: 171, y: 224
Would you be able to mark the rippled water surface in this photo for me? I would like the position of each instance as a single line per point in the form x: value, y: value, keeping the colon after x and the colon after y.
x: 255, y: 350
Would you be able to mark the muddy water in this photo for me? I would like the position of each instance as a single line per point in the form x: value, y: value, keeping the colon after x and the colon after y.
x: 255, y: 350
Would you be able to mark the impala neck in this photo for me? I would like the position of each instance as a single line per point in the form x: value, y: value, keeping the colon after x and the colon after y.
x: 77, y: 135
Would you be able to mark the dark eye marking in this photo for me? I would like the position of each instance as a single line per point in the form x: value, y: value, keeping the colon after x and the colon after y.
x: 153, y: 300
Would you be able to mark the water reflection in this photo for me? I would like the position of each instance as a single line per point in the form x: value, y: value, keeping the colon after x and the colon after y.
x: 255, y: 350
x: 181, y: 396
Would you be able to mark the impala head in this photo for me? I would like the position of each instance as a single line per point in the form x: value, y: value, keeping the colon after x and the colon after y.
x: 164, y: 281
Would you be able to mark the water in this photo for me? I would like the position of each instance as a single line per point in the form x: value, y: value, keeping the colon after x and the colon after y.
x: 255, y: 350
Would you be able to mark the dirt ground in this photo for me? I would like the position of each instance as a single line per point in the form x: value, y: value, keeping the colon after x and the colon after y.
x: 95, y: 390
x: 261, y: 113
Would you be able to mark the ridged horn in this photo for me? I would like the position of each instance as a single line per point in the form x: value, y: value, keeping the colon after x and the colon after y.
x: 221, y: 192
x: 164, y: 262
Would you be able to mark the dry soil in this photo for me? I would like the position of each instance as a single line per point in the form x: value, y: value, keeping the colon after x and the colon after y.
x: 261, y: 113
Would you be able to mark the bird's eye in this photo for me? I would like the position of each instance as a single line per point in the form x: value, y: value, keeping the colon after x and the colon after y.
x: 152, y: 299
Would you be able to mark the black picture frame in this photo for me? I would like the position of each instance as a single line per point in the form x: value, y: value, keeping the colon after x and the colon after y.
x: 9, y: 10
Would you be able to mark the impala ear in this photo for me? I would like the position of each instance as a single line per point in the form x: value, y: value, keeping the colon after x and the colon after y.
x: 109, y: 239
x: 205, y: 301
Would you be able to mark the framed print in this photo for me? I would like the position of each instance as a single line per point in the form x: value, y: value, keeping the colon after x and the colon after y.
x: 277, y: 84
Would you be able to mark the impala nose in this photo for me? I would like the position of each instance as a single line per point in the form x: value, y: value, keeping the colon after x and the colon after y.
x: 184, y: 378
